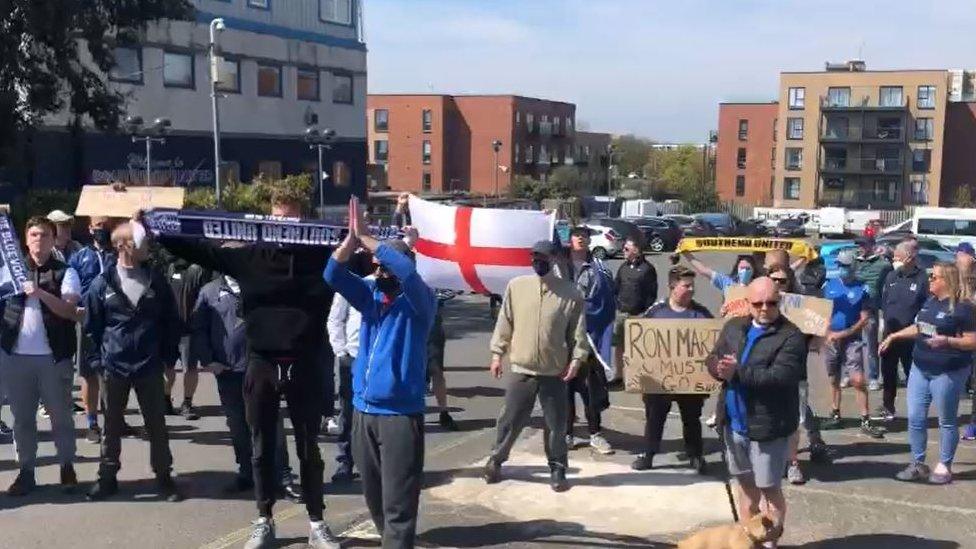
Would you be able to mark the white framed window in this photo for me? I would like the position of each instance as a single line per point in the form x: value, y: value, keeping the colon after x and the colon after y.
x: 381, y: 150
x: 260, y: 4
x: 178, y: 70
x: 838, y: 97
x: 926, y: 97
x: 529, y: 154
x: 924, y: 129
x: 794, y: 128
x: 342, y: 88
x: 791, y: 188
x: 890, y: 96
x: 794, y: 158
x: 336, y: 11
x: 426, y: 152
x: 797, y: 98
x: 517, y: 152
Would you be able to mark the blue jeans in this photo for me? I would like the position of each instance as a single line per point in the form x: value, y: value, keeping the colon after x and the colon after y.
x: 869, y: 335
x: 944, y: 391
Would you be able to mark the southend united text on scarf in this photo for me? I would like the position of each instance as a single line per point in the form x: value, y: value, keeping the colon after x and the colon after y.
x: 281, y: 233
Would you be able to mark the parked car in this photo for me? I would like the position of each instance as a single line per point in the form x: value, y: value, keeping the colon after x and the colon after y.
x: 751, y: 227
x: 624, y: 228
x: 829, y: 250
x: 893, y: 238
x: 723, y: 223
x: 605, y: 242
x: 659, y: 233
x: 700, y: 228
x: 683, y: 221
x: 789, y: 227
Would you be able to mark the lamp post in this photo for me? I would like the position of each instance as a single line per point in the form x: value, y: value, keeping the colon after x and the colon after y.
x: 496, y: 146
x: 150, y: 135
x: 320, y: 141
x: 610, y: 153
x: 216, y: 26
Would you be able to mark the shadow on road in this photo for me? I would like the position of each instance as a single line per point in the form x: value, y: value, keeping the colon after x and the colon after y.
x: 877, y: 541
x: 467, y: 316
x: 570, y: 534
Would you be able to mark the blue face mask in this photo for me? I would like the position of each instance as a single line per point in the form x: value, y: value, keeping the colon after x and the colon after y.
x: 844, y: 272
x: 745, y: 275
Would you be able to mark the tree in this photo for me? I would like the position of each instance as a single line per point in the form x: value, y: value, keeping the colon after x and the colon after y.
x: 963, y: 197
x: 523, y: 186
x: 254, y: 197
x: 54, y: 55
x: 630, y: 154
x: 566, y: 181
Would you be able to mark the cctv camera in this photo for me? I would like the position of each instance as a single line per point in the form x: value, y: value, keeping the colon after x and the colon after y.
x: 219, y: 24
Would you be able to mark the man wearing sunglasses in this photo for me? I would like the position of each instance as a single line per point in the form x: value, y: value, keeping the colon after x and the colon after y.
x: 760, y: 359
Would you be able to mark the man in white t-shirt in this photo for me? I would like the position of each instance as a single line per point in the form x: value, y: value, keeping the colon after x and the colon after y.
x: 37, y: 341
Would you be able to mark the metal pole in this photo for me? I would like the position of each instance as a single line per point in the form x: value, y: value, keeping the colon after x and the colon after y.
x: 216, y: 112
x: 610, y: 173
x: 321, y: 183
x: 148, y: 160
x: 496, y: 172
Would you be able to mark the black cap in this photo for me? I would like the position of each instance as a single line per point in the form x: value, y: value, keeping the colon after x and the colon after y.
x: 581, y: 230
x: 545, y: 247
x: 400, y: 246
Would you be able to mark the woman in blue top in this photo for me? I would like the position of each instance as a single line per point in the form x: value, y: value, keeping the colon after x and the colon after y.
x: 945, y: 333
x: 742, y: 273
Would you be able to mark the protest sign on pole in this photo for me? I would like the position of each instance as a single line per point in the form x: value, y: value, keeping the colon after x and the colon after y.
x: 668, y: 355
x: 810, y: 314
x: 103, y: 200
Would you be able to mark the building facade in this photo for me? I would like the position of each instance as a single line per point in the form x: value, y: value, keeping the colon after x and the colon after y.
x: 744, y: 154
x: 286, y: 66
x: 592, y: 158
x: 447, y: 143
x: 847, y: 136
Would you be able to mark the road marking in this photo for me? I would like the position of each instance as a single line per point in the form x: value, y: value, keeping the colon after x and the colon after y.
x: 914, y: 505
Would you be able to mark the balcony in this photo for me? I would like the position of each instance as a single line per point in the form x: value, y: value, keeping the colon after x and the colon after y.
x: 545, y: 129
x: 862, y: 103
x: 854, y: 165
x: 870, y: 134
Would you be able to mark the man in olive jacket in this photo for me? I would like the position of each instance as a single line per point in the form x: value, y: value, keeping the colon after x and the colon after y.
x: 542, y: 329
x: 760, y: 359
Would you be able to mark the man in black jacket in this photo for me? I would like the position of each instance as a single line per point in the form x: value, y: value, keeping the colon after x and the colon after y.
x: 760, y: 359
x: 186, y: 279
x: 135, y: 329
x: 636, y: 288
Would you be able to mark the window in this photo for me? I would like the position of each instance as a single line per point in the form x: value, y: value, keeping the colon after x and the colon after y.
x: 308, y: 84
x: 920, y: 195
x: 529, y: 121
x: 381, y: 120
x: 229, y: 75
x: 835, y: 158
x: 791, y: 188
x: 569, y: 125
x: 336, y: 11
x: 924, y: 129
x: 342, y: 88
x: 926, y: 97
x: 797, y: 97
x: 269, y: 80
x: 518, y: 119
x: 529, y: 153
x: 794, y: 128
x: 557, y: 123
x: 794, y: 158
x: 262, y: 4
x: 921, y: 158
x: 341, y: 174
x: 270, y: 169
x: 543, y: 155
x: 128, y: 65
x: 426, y: 152
x: 743, y: 130
x: 889, y: 128
x: 740, y: 185
x: 838, y: 127
x: 427, y: 118
x: 516, y: 153
x: 425, y: 183
x: 178, y: 70
x: 381, y: 150
x: 890, y: 96
x: 775, y: 129
x: 838, y: 97
x: 772, y: 158
x: 740, y: 158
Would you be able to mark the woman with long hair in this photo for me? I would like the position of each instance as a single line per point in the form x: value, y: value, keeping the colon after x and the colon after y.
x: 945, y: 334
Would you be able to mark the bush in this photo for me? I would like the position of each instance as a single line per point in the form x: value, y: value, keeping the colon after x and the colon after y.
x: 41, y: 202
x: 254, y: 197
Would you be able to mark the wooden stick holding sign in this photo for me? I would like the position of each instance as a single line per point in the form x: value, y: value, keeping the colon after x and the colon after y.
x: 103, y: 200
x: 810, y: 314
x: 668, y: 356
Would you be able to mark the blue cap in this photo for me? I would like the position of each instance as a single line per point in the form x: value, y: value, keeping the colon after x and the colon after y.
x: 966, y: 248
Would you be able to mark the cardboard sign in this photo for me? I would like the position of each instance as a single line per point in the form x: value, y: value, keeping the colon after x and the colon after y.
x: 101, y: 200
x: 810, y: 314
x: 668, y: 355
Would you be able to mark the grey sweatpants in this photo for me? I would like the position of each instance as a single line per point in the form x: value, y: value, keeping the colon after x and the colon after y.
x: 389, y: 451
x: 29, y: 380
x: 520, y: 395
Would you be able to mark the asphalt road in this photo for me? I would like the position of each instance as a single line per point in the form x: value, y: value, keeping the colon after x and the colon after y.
x: 854, y: 503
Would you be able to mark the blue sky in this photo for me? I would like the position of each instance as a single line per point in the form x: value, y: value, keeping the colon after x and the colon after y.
x: 653, y: 68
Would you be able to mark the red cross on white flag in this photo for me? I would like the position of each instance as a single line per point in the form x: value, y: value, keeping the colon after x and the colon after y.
x: 475, y: 249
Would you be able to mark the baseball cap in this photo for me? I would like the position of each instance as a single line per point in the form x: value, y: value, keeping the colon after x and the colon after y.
x: 544, y: 247
x: 846, y: 257
x: 400, y: 246
x: 966, y: 248
x: 57, y: 216
x: 581, y: 230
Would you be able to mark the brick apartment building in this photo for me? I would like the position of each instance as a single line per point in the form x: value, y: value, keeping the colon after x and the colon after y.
x: 444, y: 143
x: 847, y: 136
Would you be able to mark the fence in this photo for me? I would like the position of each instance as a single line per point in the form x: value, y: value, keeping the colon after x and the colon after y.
x: 887, y: 217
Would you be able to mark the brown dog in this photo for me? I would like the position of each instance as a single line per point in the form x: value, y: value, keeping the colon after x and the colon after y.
x: 731, y: 536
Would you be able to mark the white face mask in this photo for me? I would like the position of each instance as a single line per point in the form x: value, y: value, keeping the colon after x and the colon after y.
x: 897, y: 264
x: 233, y: 285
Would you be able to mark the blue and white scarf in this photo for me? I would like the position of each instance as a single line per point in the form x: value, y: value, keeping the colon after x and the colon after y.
x: 13, y: 269
x: 242, y: 227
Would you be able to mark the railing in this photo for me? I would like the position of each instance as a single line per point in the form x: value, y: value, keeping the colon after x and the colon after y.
x: 861, y: 102
x: 858, y: 133
x: 861, y: 165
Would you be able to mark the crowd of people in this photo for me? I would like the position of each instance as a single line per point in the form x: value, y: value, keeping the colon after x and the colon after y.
x: 275, y: 322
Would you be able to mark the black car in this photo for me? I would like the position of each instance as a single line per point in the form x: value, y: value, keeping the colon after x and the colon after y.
x: 789, y: 227
x: 660, y: 233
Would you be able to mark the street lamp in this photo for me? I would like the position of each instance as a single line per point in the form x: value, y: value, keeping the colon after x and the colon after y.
x: 150, y: 135
x: 216, y: 26
x: 320, y: 141
x: 610, y: 153
x: 496, y: 146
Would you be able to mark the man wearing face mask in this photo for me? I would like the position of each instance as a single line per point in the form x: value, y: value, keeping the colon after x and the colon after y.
x: 89, y: 262
x: 541, y: 327
x: 389, y: 376
x: 134, y: 326
x: 903, y: 294
x: 871, y: 268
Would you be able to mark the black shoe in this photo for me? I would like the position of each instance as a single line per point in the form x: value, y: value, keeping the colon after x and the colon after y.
x: 832, y: 422
x: 128, y: 431
x: 492, y: 472
x: 615, y: 385
x: 447, y: 422
x: 94, y: 435
x: 344, y: 475
x: 644, y: 462
x: 821, y: 453
x: 168, y: 489
x: 104, y: 488
x: 870, y: 430
x: 557, y: 479
x: 188, y: 413
x: 292, y: 492
x: 23, y: 484
x: 239, y: 484
x: 168, y: 407
x: 69, y: 480
x: 699, y: 464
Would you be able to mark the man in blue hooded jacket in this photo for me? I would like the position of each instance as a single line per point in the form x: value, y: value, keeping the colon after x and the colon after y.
x: 389, y: 377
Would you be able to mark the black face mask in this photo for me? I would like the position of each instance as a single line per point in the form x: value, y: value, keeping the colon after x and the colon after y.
x: 102, y: 237
x: 541, y: 266
x: 388, y: 285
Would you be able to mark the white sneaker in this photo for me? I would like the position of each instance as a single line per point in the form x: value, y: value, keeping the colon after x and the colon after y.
x: 874, y: 385
x: 711, y: 421
x: 321, y: 537
x: 600, y: 444
x: 332, y: 427
x: 262, y: 534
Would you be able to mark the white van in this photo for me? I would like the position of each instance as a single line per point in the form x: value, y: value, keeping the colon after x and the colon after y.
x: 948, y: 226
x: 833, y: 222
x: 640, y: 208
